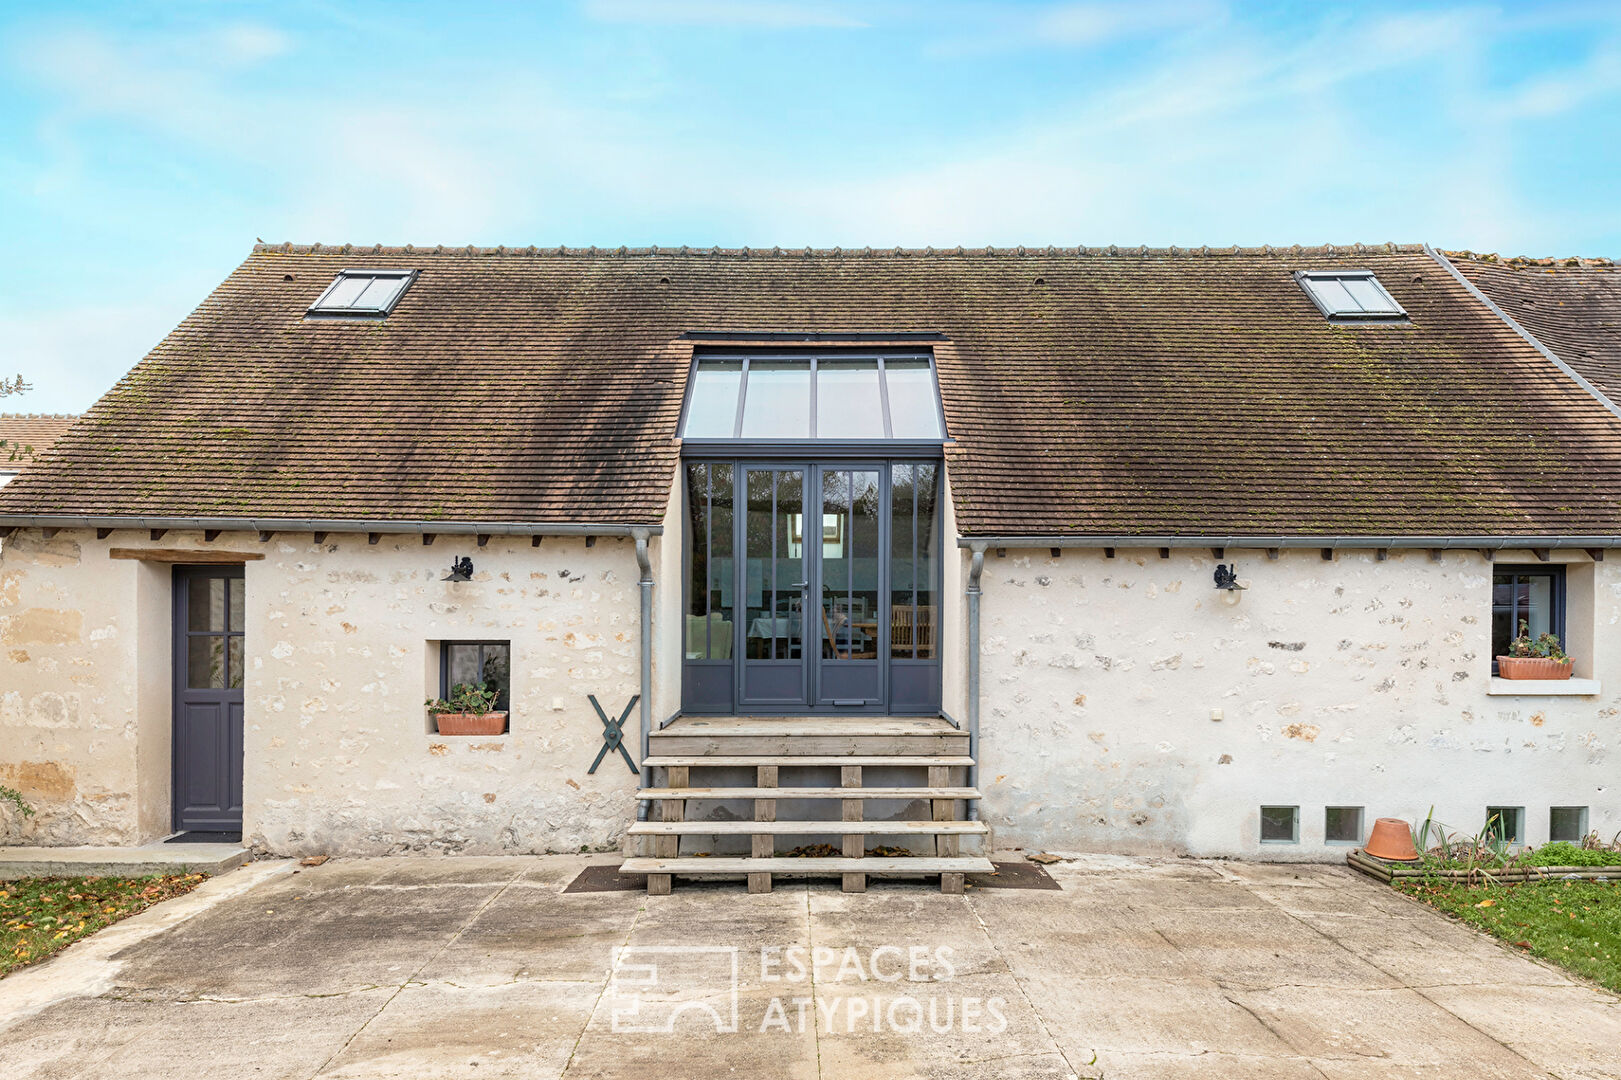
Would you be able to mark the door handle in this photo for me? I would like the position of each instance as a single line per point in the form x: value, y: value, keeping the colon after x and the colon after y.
x: 800, y: 585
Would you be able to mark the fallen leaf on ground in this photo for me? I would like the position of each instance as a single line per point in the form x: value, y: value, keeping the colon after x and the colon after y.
x: 1044, y: 858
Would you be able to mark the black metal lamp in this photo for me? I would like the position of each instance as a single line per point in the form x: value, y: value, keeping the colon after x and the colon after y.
x: 1227, y: 578
x: 460, y: 570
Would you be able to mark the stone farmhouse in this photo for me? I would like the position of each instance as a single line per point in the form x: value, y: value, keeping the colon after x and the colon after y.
x: 917, y: 552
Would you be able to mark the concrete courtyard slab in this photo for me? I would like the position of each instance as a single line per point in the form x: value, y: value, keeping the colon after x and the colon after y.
x: 441, y: 967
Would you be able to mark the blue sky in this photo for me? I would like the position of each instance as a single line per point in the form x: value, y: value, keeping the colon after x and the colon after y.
x: 143, y: 147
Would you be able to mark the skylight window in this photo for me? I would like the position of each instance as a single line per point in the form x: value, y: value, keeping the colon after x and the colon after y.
x: 814, y: 397
x: 363, y: 293
x: 1349, y: 295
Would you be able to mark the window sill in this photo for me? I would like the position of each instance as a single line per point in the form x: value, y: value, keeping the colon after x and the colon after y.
x: 1543, y: 687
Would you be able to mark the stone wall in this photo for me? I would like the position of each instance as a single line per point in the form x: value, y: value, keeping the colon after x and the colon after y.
x: 1354, y: 682
x: 342, y: 651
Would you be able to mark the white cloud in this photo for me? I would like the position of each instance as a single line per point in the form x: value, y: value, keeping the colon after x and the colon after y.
x: 760, y: 14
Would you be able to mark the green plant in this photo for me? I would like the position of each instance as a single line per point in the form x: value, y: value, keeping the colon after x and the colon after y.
x: 15, y: 798
x: 475, y: 699
x: 1479, y: 856
x: 1543, y: 646
x: 1564, y: 853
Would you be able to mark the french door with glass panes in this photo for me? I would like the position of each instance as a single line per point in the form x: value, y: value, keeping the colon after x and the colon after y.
x: 812, y: 586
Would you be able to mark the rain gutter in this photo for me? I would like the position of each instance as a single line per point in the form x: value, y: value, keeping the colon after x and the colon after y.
x: 327, y: 525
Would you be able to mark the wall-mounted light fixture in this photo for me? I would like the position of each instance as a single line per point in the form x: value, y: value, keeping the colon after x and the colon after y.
x: 1227, y: 578
x: 460, y: 570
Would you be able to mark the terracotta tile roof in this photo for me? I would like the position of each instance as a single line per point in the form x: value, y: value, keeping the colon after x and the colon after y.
x: 1572, y: 306
x: 24, y: 437
x: 1089, y: 392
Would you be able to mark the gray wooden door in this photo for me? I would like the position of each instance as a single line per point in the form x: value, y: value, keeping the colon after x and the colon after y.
x: 209, y: 609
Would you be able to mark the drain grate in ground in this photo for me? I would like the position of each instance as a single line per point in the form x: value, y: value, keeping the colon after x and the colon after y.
x: 605, y: 877
x: 1014, y: 875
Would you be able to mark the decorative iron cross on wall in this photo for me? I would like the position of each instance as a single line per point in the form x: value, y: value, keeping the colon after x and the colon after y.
x: 613, y: 735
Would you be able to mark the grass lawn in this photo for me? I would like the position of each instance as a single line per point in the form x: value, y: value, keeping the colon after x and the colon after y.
x: 42, y: 916
x: 1575, y: 924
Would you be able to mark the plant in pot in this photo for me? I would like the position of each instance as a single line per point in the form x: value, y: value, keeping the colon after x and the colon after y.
x: 470, y: 710
x: 1540, y: 657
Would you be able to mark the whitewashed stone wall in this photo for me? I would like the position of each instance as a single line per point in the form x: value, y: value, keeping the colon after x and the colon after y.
x: 1353, y: 682
x: 339, y: 755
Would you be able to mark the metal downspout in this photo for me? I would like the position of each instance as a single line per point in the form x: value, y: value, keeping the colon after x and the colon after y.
x: 976, y: 567
x: 645, y: 583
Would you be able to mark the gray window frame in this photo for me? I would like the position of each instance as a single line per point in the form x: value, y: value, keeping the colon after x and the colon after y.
x: 1361, y: 825
x: 883, y: 445
x: 481, y: 643
x: 1582, y: 813
x: 318, y: 310
x: 1294, y: 837
x: 1518, y: 839
x: 1396, y: 314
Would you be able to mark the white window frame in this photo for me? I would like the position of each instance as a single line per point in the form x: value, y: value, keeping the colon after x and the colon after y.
x: 319, y: 310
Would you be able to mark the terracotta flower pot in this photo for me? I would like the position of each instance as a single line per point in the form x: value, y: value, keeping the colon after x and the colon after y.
x: 1532, y: 667
x: 461, y: 723
x: 1392, y: 839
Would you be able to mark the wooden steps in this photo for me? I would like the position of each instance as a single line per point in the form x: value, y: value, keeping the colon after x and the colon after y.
x: 797, y: 828
x: 767, y: 745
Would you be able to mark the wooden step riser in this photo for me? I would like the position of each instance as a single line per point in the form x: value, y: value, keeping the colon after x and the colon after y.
x: 808, y: 828
x: 961, y: 864
x: 907, y: 794
x: 808, y: 760
x: 665, y: 745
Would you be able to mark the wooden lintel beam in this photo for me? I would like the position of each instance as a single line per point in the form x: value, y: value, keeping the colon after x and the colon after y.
x: 483, y: 538
x: 1596, y: 554
x: 102, y: 534
x: 1542, y: 554
x: 210, y: 535
x: 183, y: 555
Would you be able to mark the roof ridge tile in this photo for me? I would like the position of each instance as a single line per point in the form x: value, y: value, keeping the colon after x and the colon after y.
x: 899, y: 251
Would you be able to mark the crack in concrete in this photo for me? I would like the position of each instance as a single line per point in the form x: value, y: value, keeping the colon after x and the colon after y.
x: 1276, y: 1034
x: 1007, y: 968
x: 607, y: 979
x: 412, y: 978
x: 1403, y: 984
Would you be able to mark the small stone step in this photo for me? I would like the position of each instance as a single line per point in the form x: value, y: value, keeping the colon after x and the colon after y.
x: 807, y: 828
x: 717, y: 761
x: 904, y: 794
x: 959, y: 864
